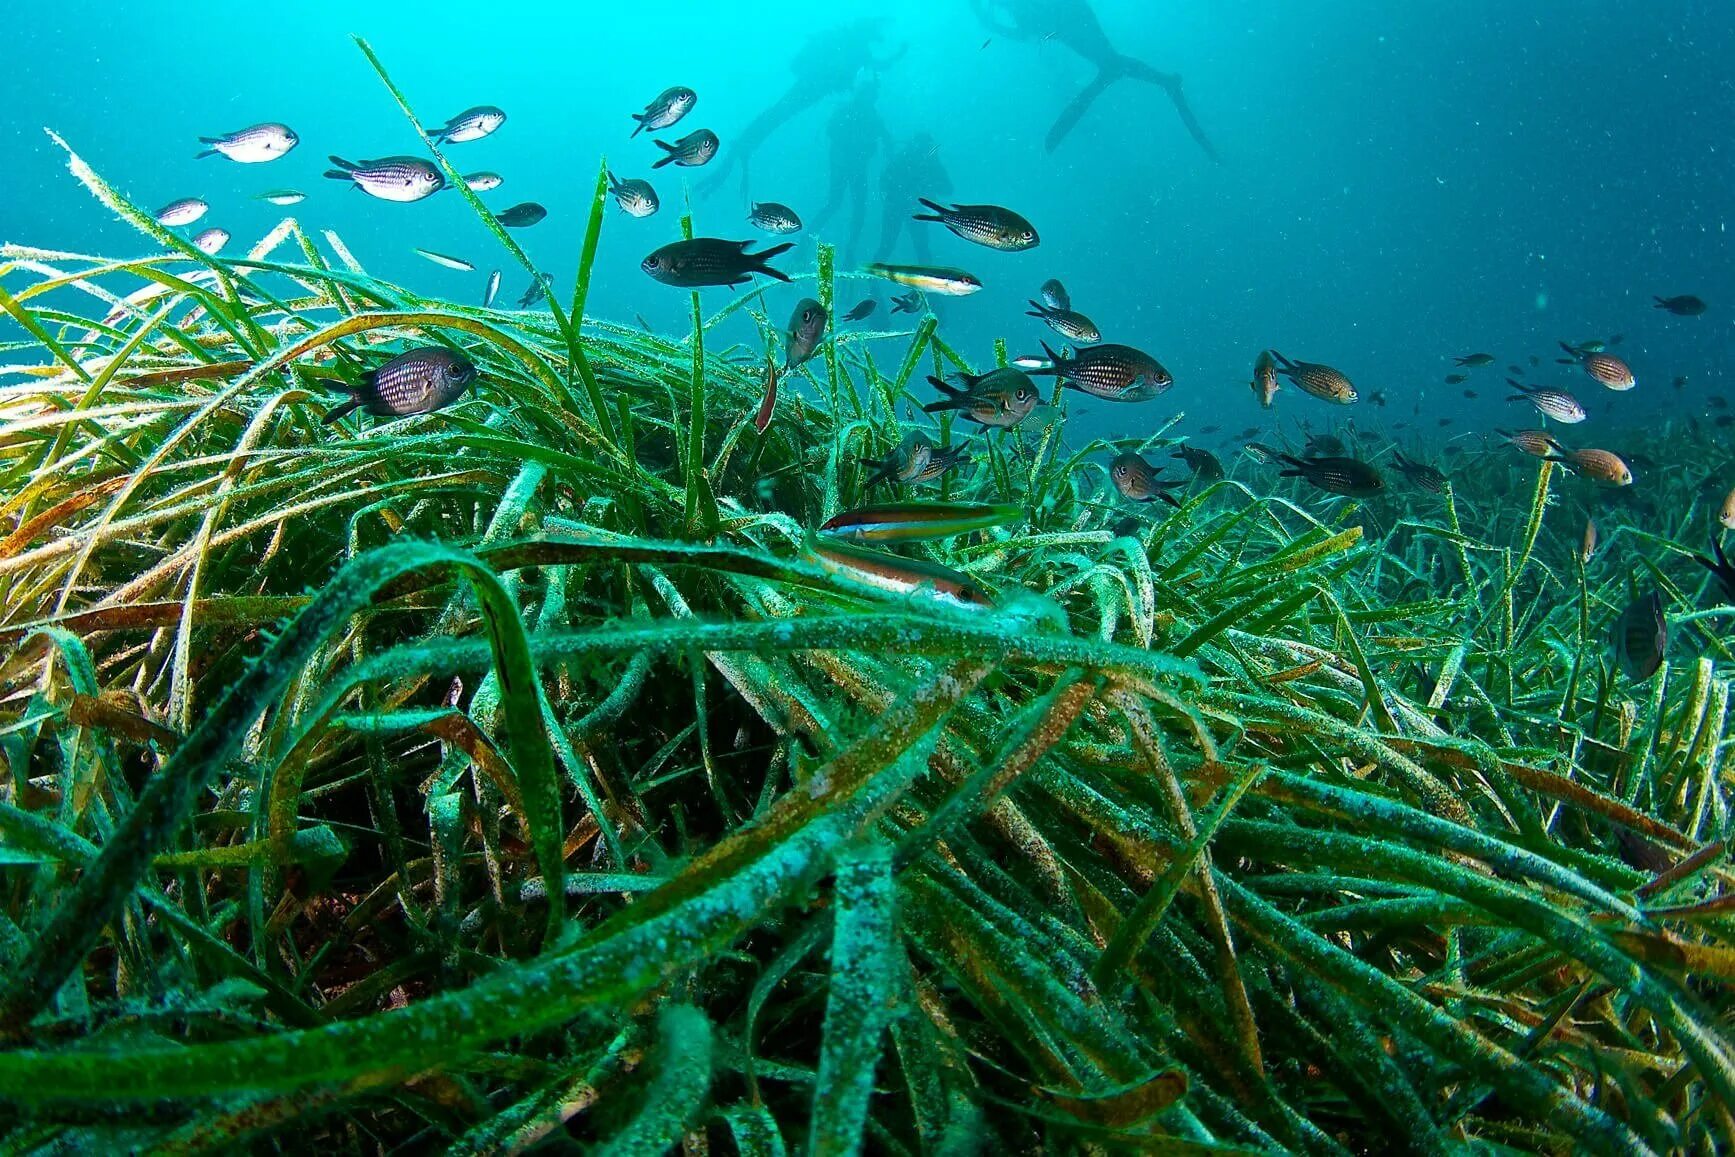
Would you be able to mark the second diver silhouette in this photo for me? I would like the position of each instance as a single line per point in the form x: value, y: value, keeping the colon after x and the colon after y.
x: 912, y: 171
x: 1074, y: 24
x: 827, y: 66
x: 854, y: 133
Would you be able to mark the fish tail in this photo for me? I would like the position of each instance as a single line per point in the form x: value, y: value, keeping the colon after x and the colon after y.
x: 759, y: 260
x: 668, y: 160
x: 1570, y: 352
x: 640, y: 126
x: 936, y: 214
x: 347, y: 406
x: 1054, y: 360
x: 206, y: 153
x: 1037, y: 309
x: 1283, y: 361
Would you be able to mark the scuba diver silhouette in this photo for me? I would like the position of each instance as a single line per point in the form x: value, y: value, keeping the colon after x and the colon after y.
x: 912, y: 171
x: 855, y: 132
x: 826, y: 66
x: 1074, y: 24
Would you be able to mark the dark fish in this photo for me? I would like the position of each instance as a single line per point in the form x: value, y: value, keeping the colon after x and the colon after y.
x: 522, y: 216
x: 1209, y: 429
x: 1350, y: 477
x: 1443, y: 422
x: 1640, y: 637
x: 1115, y: 373
x: 989, y: 225
x: 999, y: 399
x: 1377, y: 398
x: 1054, y: 295
x: 252, y: 145
x: 1599, y: 465
x: 1249, y: 432
x: 635, y: 197
x: 1068, y: 324
x: 536, y: 292
x: 1265, y: 385
x: 1454, y: 379
x: 861, y: 310
x: 908, y: 303
x: 400, y: 179
x: 1321, y: 381
x: 1203, y: 463
x: 1535, y: 361
x: 1324, y: 446
x: 1420, y: 473
x: 1137, y: 481
x: 1532, y: 442
x: 806, y: 331
x: 669, y: 106
x: 691, y: 151
x: 905, y: 464
x: 1475, y: 360
x: 470, y: 125
x: 1471, y: 394
x: 1556, y: 404
x: 418, y: 381
x: 1724, y: 420
x: 774, y: 218
x: 710, y: 261
x: 1680, y: 383
x: 1717, y: 402
x: 1685, y: 305
x: 1605, y: 368
x: 1515, y: 371
x: 1722, y: 569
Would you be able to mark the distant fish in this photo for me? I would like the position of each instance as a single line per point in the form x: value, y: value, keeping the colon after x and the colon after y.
x: 710, y: 261
x: 470, y: 125
x: 1533, y: 442
x: 1680, y: 382
x: 1455, y: 379
x: 492, y: 290
x: 537, y: 290
x: 522, y: 215
x: 400, y: 179
x: 1067, y: 323
x: 1605, y: 368
x: 1136, y: 480
x: 774, y: 218
x: 1640, y: 637
x: 1027, y: 362
x: 418, y: 381
x: 908, y: 303
x: 1203, y: 463
x: 1260, y: 452
x: 1265, y: 385
x: 690, y: 151
x: 1350, y: 477
x: 183, y: 212
x: 1324, y: 446
x: 1420, y: 474
x: 929, y: 279
x: 1515, y: 371
x: 806, y: 331
x: 999, y: 399
x: 1115, y: 373
x: 1685, y: 305
x: 282, y: 197
x: 1321, y: 381
x: 903, y: 464
x: 862, y: 309
x: 457, y: 263
x: 989, y: 225
x: 1724, y: 572
x: 1556, y: 404
x: 669, y: 107
x: 1726, y: 515
x: 1471, y: 394
x: 1475, y: 361
x: 635, y: 197
x: 1054, y: 295
x: 253, y: 145
x: 1587, y: 545
x: 211, y: 241
x: 1599, y: 465
x: 483, y: 182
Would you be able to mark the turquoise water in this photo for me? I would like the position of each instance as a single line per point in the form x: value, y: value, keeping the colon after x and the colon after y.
x: 1398, y: 183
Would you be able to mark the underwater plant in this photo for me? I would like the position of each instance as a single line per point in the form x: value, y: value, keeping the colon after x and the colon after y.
x: 536, y: 768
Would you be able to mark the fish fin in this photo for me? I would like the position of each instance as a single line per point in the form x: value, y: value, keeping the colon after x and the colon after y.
x: 347, y: 406
x: 207, y: 153
x: 638, y: 128
x: 933, y: 206
x: 943, y: 405
x: 760, y: 259
x: 668, y: 160
x: 1661, y: 303
x: 341, y: 163
x: 663, y: 145
x: 1037, y: 309
x: 1169, y: 498
x: 1282, y: 361
x: 945, y: 388
x: 1570, y: 352
x: 1056, y: 359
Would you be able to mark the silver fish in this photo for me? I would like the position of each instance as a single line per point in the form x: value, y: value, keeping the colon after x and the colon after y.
x: 418, y: 381
x: 774, y: 218
x: 690, y: 151
x: 492, y: 291
x: 669, y: 106
x: 1054, y: 295
x: 988, y: 225
x: 470, y: 125
x: 211, y: 241
x: 400, y: 179
x: 253, y: 145
x: 635, y: 197
x: 806, y: 330
x: 1067, y: 323
x: 283, y: 197
x: 183, y: 212
x: 1557, y: 404
x: 483, y: 182
x: 457, y: 263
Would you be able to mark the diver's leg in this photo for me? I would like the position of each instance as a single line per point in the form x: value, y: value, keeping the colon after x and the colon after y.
x: 1074, y: 112
x: 740, y: 150
x: 891, y: 224
x: 857, y: 213
x: 1170, y: 83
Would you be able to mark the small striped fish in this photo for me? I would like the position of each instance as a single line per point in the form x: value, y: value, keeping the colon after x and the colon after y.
x: 670, y: 106
x: 1604, y: 367
x: 470, y: 125
x: 1115, y: 373
x: 690, y: 151
x: 774, y: 218
x: 211, y: 241
x: 399, y: 179
x: 253, y: 145
x: 1137, y: 481
x: 1420, y: 474
x: 1641, y: 636
x: 1350, y: 477
x: 989, y: 225
x: 1600, y: 465
x: 635, y: 197
x: 417, y: 381
x: 492, y: 291
x: 1265, y: 384
x: 1067, y: 323
x: 1556, y: 404
x: 183, y: 212
x: 1533, y: 442
x: 1321, y: 381
x: 896, y: 575
x: 1054, y: 295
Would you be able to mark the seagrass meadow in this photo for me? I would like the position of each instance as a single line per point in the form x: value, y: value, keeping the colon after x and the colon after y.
x: 517, y: 777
